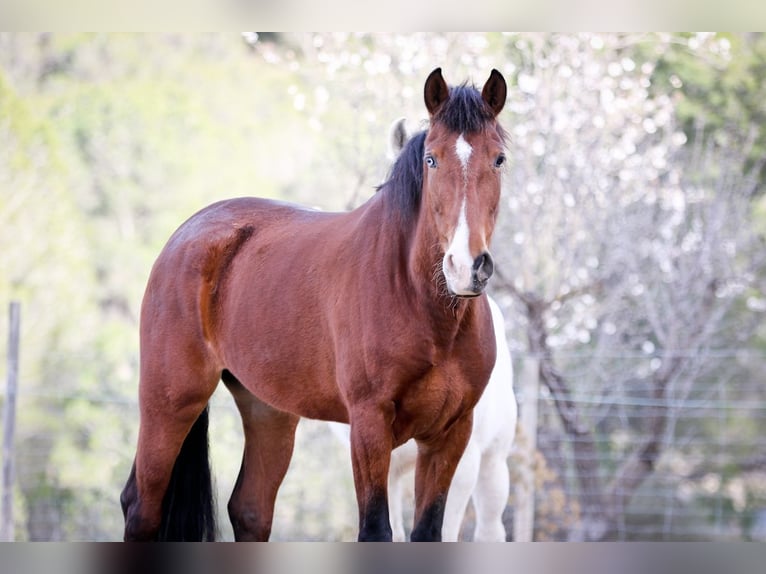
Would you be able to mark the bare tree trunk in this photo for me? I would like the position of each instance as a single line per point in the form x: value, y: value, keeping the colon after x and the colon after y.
x: 640, y: 464
x: 603, y: 507
x: 591, y: 499
x: 526, y: 446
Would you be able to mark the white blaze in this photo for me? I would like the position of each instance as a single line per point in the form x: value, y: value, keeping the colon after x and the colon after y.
x: 463, y: 150
x: 458, y: 263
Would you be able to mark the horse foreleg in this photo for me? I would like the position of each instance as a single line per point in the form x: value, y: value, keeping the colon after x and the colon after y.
x: 396, y: 511
x: 437, y: 461
x: 491, y: 497
x: 269, y: 441
x: 402, y: 463
x: 463, y: 484
x: 371, y: 444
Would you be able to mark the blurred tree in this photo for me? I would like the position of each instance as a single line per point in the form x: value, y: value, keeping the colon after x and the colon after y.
x: 627, y: 225
x: 41, y: 252
x: 719, y: 81
x: 622, y: 239
x: 109, y: 142
x: 351, y: 86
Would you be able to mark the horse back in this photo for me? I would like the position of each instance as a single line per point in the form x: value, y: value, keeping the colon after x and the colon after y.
x: 190, y: 279
x: 298, y: 305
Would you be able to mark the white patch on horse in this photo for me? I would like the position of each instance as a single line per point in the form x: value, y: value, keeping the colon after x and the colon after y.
x: 457, y: 263
x: 463, y: 150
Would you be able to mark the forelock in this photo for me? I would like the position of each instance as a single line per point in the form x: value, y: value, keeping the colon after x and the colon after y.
x: 464, y: 111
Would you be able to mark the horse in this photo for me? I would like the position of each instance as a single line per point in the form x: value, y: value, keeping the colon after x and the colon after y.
x: 482, y: 473
x: 375, y: 317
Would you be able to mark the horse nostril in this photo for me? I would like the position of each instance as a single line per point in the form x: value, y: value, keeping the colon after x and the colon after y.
x: 483, y: 267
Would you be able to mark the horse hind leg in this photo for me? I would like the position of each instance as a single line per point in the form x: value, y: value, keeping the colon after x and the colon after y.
x: 172, y: 443
x: 168, y: 495
x: 269, y: 440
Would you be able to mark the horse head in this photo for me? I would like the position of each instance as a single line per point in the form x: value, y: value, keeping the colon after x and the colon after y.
x: 463, y: 157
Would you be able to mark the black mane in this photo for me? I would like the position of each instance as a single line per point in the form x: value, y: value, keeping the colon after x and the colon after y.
x: 405, y: 181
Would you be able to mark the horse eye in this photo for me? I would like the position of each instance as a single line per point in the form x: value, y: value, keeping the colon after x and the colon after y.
x: 430, y: 161
x: 500, y: 160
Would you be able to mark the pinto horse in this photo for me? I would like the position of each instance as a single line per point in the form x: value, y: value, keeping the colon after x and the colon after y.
x: 375, y: 317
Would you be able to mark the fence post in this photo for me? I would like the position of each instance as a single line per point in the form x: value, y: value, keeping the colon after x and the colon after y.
x: 7, y: 533
x: 524, y: 511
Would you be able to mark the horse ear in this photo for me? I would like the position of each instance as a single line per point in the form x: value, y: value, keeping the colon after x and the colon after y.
x: 436, y: 91
x: 398, y: 136
x: 495, y: 91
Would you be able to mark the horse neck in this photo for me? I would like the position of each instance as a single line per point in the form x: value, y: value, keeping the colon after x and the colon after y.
x: 410, y: 242
x: 425, y: 272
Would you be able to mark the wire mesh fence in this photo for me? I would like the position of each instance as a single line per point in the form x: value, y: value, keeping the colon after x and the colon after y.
x: 708, y: 481
x: 705, y: 478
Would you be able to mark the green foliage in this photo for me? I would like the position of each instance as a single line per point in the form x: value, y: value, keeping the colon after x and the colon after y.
x: 109, y: 141
x: 722, y: 88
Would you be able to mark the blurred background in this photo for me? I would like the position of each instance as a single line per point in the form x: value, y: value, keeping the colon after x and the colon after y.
x: 630, y: 255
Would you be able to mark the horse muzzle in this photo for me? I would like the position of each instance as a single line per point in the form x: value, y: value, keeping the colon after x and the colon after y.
x: 468, y: 281
x: 482, y: 270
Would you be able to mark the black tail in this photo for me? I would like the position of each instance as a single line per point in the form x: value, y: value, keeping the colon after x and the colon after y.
x: 188, y: 509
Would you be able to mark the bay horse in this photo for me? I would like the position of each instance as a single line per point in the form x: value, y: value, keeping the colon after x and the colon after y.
x: 376, y: 317
x: 482, y: 474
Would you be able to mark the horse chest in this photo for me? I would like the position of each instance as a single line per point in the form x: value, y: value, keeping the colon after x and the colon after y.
x: 429, y: 404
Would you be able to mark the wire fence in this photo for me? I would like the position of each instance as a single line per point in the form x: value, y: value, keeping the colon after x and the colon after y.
x: 708, y: 482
